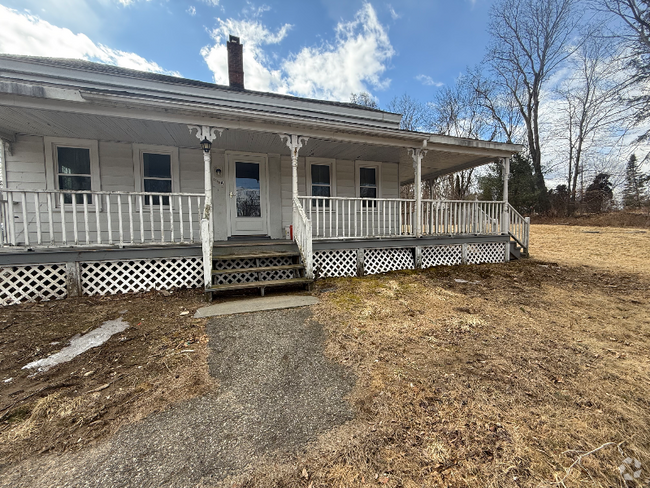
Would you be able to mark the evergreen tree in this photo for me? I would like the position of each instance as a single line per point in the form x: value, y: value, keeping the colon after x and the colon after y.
x: 599, y: 193
x: 634, y: 182
x: 522, y: 193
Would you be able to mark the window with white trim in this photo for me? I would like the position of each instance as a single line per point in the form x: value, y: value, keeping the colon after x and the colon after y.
x: 321, y: 180
x: 368, y: 177
x: 157, y: 176
x: 73, y: 172
x: 156, y: 171
x: 72, y: 164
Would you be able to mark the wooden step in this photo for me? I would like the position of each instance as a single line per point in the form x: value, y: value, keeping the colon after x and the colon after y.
x: 257, y: 270
x: 255, y: 255
x: 261, y: 284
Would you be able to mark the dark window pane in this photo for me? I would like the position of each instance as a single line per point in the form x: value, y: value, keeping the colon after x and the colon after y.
x: 320, y: 174
x: 367, y: 177
x: 368, y: 192
x: 320, y: 191
x: 247, y: 176
x: 157, y: 165
x: 157, y: 186
x: 75, y: 183
x: 73, y: 160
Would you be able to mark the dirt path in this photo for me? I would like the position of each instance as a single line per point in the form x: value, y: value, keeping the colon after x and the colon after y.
x: 277, y: 392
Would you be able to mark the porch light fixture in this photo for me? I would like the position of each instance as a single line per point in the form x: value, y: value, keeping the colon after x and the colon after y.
x: 206, y: 145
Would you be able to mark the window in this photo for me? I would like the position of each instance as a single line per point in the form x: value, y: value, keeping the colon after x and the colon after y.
x: 72, y: 164
x: 156, y: 171
x: 320, y: 184
x: 321, y: 180
x: 367, y: 182
x: 368, y: 178
x: 73, y: 172
x: 157, y: 176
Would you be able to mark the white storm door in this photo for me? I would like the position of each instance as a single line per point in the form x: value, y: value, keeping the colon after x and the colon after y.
x: 248, y: 196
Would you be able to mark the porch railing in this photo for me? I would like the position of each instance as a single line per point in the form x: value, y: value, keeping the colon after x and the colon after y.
x: 519, y: 227
x: 56, y: 218
x: 346, y: 218
x: 302, y: 235
x: 451, y: 217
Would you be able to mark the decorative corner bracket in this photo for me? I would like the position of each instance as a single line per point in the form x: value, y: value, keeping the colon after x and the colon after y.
x: 205, y: 132
x: 417, y: 154
x: 294, y: 142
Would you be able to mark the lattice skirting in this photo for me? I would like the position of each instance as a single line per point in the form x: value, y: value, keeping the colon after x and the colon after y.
x: 335, y: 263
x: 489, y: 252
x: 383, y: 260
x: 112, y: 277
x: 32, y: 283
x: 442, y: 255
x: 248, y: 277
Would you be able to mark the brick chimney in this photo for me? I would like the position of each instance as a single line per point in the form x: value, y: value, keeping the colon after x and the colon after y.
x: 235, y: 63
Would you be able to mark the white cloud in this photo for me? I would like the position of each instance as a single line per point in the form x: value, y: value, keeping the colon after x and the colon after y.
x: 191, y: 10
x: 354, y: 61
x: 428, y: 81
x: 23, y: 33
x: 257, y: 73
x: 394, y: 15
x: 212, y: 3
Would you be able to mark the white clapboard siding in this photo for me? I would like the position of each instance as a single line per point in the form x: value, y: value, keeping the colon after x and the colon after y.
x: 116, y: 166
x: 25, y: 163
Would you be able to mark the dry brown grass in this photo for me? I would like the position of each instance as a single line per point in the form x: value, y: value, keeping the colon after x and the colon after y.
x: 611, y: 248
x: 135, y: 373
x: 500, y: 383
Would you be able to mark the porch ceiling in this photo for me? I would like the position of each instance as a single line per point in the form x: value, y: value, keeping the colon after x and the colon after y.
x: 440, y: 159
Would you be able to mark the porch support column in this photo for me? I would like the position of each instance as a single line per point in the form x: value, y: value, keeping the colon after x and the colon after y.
x: 206, y: 133
x: 417, y: 154
x: 505, y: 221
x: 294, y: 143
x: 506, y: 173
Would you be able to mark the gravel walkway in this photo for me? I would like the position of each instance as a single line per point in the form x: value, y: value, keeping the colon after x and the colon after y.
x: 277, y: 392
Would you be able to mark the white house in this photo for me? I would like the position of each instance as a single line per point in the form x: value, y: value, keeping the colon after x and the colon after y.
x: 117, y: 180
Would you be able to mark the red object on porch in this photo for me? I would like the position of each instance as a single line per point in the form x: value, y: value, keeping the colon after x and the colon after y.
x: 291, y: 232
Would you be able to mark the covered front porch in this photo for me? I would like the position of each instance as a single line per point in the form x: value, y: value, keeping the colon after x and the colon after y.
x: 330, y: 188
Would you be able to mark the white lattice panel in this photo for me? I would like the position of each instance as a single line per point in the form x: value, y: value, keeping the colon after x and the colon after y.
x: 32, y: 283
x: 382, y: 260
x: 442, y: 256
x: 111, y: 277
x: 248, y: 277
x: 489, y: 252
x: 335, y: 263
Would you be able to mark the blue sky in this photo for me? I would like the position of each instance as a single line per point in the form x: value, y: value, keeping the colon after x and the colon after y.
x: 324, y: 49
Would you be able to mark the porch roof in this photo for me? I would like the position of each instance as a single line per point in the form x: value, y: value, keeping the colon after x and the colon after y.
x: 45, y: 98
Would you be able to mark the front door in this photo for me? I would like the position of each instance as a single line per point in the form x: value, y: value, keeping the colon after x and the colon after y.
x: 248, y: 195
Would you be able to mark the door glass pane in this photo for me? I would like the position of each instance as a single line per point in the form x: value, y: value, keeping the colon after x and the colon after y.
x: 247, y: 182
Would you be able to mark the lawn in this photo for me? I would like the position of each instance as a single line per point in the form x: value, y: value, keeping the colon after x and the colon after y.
x: 470, y: 376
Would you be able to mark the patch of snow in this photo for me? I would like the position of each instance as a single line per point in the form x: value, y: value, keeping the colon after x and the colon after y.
x: 458, y: 280
x: 7, y: 380
x: 80, y: 344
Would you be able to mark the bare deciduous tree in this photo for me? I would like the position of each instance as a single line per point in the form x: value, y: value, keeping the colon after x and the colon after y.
x: 591, y: 108
x: 530, y: 40
x: 414, y: 113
